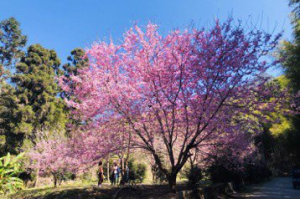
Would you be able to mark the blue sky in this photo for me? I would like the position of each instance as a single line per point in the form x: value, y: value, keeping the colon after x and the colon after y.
x: 63, y: 25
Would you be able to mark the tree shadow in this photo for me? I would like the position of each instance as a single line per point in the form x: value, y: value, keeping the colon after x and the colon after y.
x: 89, y: 193
x: 63, y: 193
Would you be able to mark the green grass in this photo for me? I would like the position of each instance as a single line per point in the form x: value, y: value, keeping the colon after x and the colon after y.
x: 73, y: 191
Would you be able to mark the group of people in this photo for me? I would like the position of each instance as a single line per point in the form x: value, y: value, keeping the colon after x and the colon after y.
x: 114, y: 176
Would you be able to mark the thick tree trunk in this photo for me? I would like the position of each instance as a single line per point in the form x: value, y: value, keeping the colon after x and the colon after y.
x: 172, y: 181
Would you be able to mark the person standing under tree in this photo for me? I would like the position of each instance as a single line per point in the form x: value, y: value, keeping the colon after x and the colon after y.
x: 116, y: 170
x: 100, y: 174
x: 127, y: 175
x: 112, y: 176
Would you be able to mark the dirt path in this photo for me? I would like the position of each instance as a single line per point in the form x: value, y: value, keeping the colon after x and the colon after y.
x: 276, y: 188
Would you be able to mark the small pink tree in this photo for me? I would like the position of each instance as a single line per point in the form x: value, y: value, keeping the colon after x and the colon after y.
x: 179, y: 92
x: 51, y: 155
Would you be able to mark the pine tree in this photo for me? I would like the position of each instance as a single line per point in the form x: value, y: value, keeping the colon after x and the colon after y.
x: 76, y: 61
x: 39, y: 107
x: 11, y: 43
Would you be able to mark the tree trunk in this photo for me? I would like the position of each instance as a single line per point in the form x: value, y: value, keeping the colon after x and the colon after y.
x: 107, y: 170
x: 37, y: 178
x: 55, y: 180
x: 172, y: 181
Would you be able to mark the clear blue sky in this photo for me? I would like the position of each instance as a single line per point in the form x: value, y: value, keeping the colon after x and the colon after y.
x: 63, y: 25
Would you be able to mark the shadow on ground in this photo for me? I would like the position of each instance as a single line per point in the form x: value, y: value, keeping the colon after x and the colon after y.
x: 134, y: 192
x: 63, y: 193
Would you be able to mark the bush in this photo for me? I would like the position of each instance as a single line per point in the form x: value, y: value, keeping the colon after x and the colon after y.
x: 194, y: 176
x: 158, y: 175
x: 69, y: 176
x: 256, y: 173
x: 246, y: 173
x: 137, y: 171
x: 220, y: 173
x: 86, y: 176
x: 28, y: 176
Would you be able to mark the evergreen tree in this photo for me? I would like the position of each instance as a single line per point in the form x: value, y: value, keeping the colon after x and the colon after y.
x: 76, y: 61
x: 290, y: 52
x: 8, y: 103
x: 291, y: 49
x: 39, y: 107
x: 11, y: 43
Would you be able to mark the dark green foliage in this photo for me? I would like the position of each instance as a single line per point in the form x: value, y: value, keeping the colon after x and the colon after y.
x: 29, y: 98
x: 194, y: 176
x: 11, y: 43
x: 76, y: 61
x: 69, y: 176
x: 291, y: 64
x: 28, y: 176
x: 293, y: 140
x: 137, y: 171
x: 158, y: 175
x: 290, y: 52
x: 9, y: 141
x: 193, y: 173
x: 247, y: 173
x: 255, y: 173
x: 39, y: 108
x: 60, y: 176
x: 219, y: 173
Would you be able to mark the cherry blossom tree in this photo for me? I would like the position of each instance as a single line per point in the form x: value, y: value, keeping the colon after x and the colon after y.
x: 180, y: 92
x: 51, y: 155
x: 93, y: 143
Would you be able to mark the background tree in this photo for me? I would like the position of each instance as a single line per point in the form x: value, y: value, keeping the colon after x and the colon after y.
x: 290, y: 53
x: 37, y: 91
x: 9, y: 141
x: 76, y: 62
x: 11, y: 43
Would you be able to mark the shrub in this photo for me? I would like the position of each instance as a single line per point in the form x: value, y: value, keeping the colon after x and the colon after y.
x: 220, y: 173
x: 137, y: 171
x: 246, y: 173
x: 194, y: 176
x: 256, y: 173
x: 158, y: 175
